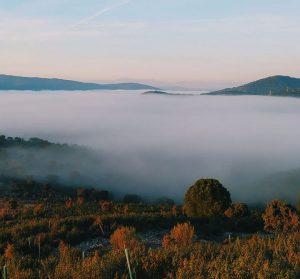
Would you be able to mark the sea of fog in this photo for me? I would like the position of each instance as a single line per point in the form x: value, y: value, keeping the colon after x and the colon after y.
x: 159, y: 145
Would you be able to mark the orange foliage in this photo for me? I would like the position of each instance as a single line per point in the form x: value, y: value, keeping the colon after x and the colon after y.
x: 174, y: 210
x: 3, y: 212
x: 106, y: 206
x: 126, y: 209
x: 38, y: 208
x: 69, y: 203
x: 26, y: 210
x: 9, y: 252
x: 280, y: 217
x: 181, y: 235
x: 124, y: 236
x: 80, y: 200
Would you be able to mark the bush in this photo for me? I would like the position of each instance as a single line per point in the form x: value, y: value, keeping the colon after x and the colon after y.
x: 124, y: 237
x: 181, y: 235
x: 10, y: 252
x: 280, y: 217
x: 237, y: 210
x: 207, y: 197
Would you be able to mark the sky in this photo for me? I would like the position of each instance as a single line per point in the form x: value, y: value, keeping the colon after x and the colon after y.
x: 189, y: 43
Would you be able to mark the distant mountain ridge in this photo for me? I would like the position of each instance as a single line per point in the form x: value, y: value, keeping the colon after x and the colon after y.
x: 8, y: 82
x: 158, y: 92
x: 270, y: 86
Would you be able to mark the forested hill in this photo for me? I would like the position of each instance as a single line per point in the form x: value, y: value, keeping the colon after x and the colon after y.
x: 271, y: 86
x: 35, y: 167
x: 37, y: 84
x: 7, y: 142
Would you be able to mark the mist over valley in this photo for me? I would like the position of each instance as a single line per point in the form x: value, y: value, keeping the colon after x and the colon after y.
x: 156, y: 145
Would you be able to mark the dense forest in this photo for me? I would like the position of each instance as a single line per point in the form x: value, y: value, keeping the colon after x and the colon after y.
x: 49, y: 230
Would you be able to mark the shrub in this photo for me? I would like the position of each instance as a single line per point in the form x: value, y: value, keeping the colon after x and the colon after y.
x: 69, y: 203
x: 181, y: 235
x: 10, y: 252
x: 124, y: 236
x: 38, y: 209
x: 237, y: 210
x: 280, y: 217
x: 207, y: 197
x: 105, y: 206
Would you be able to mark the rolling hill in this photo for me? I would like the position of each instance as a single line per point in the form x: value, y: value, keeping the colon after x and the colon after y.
x: 8, y: 82
x: 270, y: 86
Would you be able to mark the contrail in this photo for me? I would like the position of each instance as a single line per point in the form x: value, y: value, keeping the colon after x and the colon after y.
x: 100, y: 12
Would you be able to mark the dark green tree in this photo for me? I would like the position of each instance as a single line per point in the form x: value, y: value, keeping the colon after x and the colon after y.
x: 207, y: 197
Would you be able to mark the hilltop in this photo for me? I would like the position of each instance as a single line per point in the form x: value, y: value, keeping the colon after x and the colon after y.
x: 158, y: 92
x: 270, y: 86
x: 8, y: 82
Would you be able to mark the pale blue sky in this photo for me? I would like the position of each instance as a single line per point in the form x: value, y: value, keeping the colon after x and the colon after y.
x: 190, y: 42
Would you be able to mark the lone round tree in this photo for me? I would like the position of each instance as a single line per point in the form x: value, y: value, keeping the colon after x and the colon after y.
x: 207, y: 197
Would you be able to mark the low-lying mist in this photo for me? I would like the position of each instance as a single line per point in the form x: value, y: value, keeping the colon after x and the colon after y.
x: 159, y: 145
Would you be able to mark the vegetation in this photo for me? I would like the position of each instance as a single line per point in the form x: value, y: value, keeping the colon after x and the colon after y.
x: 284, y: 86
x: 51, y: 231
x: 207, y: 197
x: 39, y: 239
x: 280, y: 216
x: 31, y: 83
x: 237, y: 210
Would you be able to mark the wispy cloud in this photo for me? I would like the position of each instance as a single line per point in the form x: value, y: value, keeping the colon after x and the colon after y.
x: 100, y: 12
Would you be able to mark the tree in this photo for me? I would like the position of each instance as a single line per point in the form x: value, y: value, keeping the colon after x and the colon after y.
x: 207, y: 197
x: 280, y: 217
x: 237, y: 210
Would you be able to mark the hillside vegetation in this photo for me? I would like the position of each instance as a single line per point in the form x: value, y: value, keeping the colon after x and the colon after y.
x: 8, y: 82
x: 271, y: 86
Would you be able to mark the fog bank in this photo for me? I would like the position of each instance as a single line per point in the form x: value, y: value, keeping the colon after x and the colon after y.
x: 159, y: 145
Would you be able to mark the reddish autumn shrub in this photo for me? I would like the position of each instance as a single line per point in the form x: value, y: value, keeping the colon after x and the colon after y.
x: 181, y: 235
x: 105, y: 206
x: 69, y: 203
x: 80, y: 200
x: 280, y: 217
x: 237, y: 210
x: 9, y: 252
x: 124, y: 236
x: 38, y: 209
x: 3, y: 213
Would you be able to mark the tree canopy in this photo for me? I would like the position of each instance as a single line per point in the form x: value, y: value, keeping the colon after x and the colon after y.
x: 207, y: 197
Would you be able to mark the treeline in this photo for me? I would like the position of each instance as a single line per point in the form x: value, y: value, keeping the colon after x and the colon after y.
x: 50, y: 190
x: 6, y: 142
